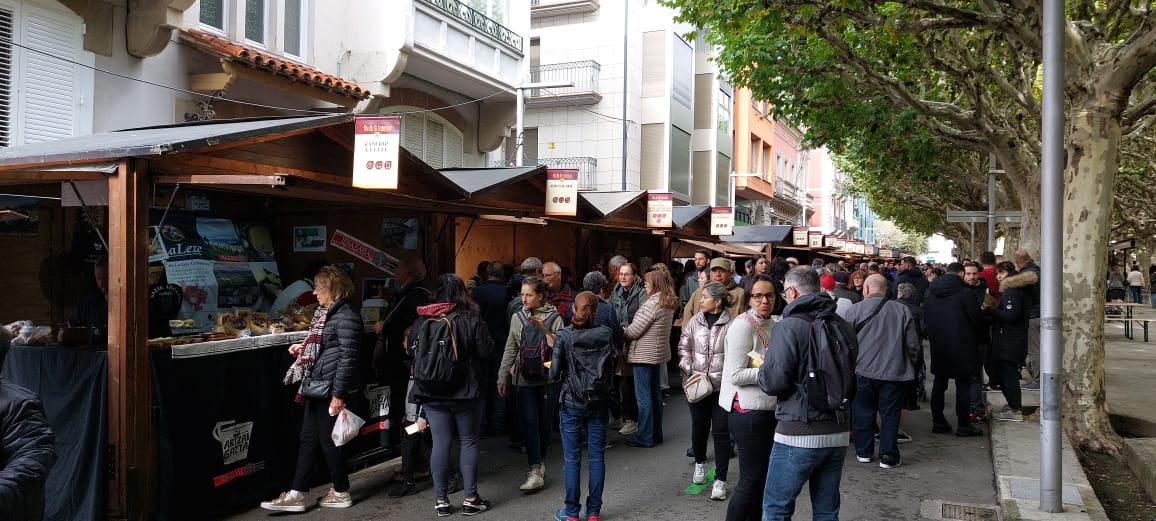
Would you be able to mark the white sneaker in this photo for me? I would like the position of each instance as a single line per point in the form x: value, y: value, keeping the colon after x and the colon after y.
x: 699, y: 474
x: 719, y: 491
x: 534, y: 481
x: 614, y: 423
x: 628, y: 427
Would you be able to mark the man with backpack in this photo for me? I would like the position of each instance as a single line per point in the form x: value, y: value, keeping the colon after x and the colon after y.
x: 810, y: 369
x: 584, y: 362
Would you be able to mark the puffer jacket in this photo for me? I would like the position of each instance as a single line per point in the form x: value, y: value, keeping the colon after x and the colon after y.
x: 701, y: 347
x: 27, y: 452
x: 650, y: 332
x: 514, y: 339
x: 340, y: 345
x: 1010, y: 317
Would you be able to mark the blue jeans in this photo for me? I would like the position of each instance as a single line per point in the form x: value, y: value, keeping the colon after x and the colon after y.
x: 1136, y: 297
x: 649, y: 398
x: 536, y: 405
x: 572, y: 423
x: 876, y: 396
x: 791, y: 467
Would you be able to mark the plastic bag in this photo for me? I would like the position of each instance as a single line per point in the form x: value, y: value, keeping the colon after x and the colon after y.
x: 347, y: 427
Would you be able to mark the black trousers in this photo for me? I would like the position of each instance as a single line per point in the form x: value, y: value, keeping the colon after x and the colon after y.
x: 962, y: 400
x: 707, y: 418
x: 754, y: 433
x: 316, y: 428
x: 1009, y: 381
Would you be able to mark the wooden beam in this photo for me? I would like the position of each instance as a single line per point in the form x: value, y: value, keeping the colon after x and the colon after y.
x: 344, y: 139
x: 209, y: 179
x: 249, y: 168
x: 211, y: 82
x: 130, y: 429
x: 288, y: 84
x: 34, y: 176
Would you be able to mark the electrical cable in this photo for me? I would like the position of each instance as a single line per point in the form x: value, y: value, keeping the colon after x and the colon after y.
x: 584, y: 109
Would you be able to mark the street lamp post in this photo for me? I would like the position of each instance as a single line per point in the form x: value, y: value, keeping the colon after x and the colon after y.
x: 521, y: 111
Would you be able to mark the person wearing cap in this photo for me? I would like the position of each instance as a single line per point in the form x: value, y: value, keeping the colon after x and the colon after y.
x: 842, y: 289
x: 721, y: 271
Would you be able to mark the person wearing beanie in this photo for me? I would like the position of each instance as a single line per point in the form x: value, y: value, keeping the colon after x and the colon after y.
x: 843, y: 289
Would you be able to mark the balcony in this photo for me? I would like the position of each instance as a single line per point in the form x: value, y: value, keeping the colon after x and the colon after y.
x: 583, y: 75
x: 587, y: 168
x: 545, y: 8
x: 467, y: 15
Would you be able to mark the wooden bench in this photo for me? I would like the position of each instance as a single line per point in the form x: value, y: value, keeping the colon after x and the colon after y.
x: 1130, y: 323
x: 1143, y: 322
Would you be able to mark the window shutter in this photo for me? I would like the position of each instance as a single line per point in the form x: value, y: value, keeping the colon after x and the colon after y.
x: 413, y: 133
x: 47, y: 100
x: 454, y: 148
x: 7, y: 34
x: 435, y: 143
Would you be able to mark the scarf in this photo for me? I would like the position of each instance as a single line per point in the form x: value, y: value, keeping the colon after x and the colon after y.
x: 303, y: 366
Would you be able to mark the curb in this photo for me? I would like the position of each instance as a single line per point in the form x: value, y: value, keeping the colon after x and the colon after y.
x: 1140, y: 455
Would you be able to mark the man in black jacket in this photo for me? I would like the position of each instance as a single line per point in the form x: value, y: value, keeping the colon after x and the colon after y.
x: 389, y: 360
x: 955, y: 325
x: 910, y: 274
x: 490, y: 295
x: 26, y: 449
x: 1024, y: 262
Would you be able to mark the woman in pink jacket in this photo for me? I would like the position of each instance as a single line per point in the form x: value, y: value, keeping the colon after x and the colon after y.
x: 700, y: 351
x: 650, y: 333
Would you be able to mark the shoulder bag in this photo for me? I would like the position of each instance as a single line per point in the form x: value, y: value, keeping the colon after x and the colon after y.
x: 697, y: 386
x: 315, y: 389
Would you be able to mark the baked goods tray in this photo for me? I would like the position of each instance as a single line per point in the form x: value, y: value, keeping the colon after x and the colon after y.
x: 232, y: 345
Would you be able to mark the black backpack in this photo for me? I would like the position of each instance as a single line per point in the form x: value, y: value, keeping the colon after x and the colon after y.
x: 534, y: 350
x: 590, y: 365
x: 438, y: 367
x: 828, y: 383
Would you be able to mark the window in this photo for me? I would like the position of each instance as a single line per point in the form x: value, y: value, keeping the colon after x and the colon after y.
x: 255, y: 21
x: 293, y: 25
x: 766, y: 161
x: 432, y: 139
x: 493, y: 9
x: 724, y: 111
x: 213, y: 14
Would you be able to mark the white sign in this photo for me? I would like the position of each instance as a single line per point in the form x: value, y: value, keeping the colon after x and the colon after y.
x: 815, y: 239
x: 799, y: 236
x: 376, y: 141
x: 234, y: 439
x: 562, y: 191
x: 722, y: 220
x: 659, y: 210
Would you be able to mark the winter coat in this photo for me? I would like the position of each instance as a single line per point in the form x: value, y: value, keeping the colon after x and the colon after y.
x: 340, y: 348
x: 474, y: 345
x: 740, y: 376
x: 389, y: 360
x: 915, y: 277
x: 599, y: 336
x: 1033, y: 291
x: 785, y: 366
x: 514, y: 340
x: 490, y: 296
x: 842, y: 291
x: 27, y: 452
x: 889, y: 342
x: 626, y: 301
x: 1010, y: 318
x: 650, y: 332
x: 955, y: 326
x: 701, y: 347
x: 980, y: 291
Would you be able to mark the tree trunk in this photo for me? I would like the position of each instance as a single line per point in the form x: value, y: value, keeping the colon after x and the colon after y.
x: 1090, y: 173
x: 1011, y: 237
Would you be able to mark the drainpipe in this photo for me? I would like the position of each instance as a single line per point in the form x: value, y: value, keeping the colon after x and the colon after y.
x: 625, y: 92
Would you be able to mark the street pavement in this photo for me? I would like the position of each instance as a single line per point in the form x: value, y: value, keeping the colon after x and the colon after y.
x: 652, y: 484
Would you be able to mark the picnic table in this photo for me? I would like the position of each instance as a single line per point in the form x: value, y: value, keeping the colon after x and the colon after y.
x: 1128, y: 318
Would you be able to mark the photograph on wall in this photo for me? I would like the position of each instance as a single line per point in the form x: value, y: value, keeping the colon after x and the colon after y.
x: 19, y: 215
x: 258, y: 239
x: 308, y: 239
x: 221, y: 236
x: 399, y: 233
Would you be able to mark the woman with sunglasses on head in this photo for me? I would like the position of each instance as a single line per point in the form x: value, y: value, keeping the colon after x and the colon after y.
x: 752, y: 412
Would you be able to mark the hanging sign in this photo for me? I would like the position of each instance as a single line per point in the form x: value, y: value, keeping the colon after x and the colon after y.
x: 814, y: 239
x: 886, y: 254
x: 799, y: 236
x: 562, y: 191
x: 829, y: 241
x: 364, y: 251
x: 722, y: 220
x: 376, y: 141
x: 659, y: 209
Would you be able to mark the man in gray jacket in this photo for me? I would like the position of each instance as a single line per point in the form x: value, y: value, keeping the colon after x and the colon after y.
x: 888, y: 348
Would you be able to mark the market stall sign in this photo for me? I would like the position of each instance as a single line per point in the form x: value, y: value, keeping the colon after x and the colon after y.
x: 814, y: 239
x: 659, y: 210
x: 364, y: 251
x: 375, y: 148
x: 722, y: 220
x: 799, y: 236
x: 562, y: 191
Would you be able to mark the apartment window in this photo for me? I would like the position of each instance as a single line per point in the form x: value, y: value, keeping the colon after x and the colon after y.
x: 679, y: 160
x: 432, y: 139
x: 724, y: 111
x: 213, y: 14
x: 294, y: 24
x: 766, y: 161
x: 494, y: 9
x: 255, y: 21
x: 753, y: 165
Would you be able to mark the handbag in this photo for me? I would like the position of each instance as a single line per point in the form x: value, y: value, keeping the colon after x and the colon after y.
x: 697, y: 386
x: 315, y: 389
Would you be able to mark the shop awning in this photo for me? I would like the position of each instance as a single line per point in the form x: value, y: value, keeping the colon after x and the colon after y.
x: 684, y: 215
x: 759, y: 234
x: 161, y: 140
x: 475, y: 181
x: 686, y: 247
x: 606, y: 204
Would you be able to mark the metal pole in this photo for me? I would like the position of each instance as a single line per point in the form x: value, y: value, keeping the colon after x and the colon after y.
x: 520, y: 109
x: 625, y: 87
x: 972, y: 226
x: 1051, y: 244
x: 991, y: 173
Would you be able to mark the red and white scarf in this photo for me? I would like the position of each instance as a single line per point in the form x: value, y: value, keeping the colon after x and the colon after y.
x: 303, y: 366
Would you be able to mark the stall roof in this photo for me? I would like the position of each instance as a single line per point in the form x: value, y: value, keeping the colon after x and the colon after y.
x: 609, y: 203
x: 725, y: 249
x: 474, y: 181
x: 759, y: 234
x: 160, y: 140
x: 684, y: 215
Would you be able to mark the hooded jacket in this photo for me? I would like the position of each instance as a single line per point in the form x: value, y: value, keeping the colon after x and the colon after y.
x: 701, y: 347
x: 915, y: 277
x: 650, y: 331
x: 955, y: 326
x: 782, y: 371
x: 889, y: 342
x: 575, y: 379
x: 474, y: 345
x: 1010, y: 317
x: 514, y: 339
x: 340, y: 347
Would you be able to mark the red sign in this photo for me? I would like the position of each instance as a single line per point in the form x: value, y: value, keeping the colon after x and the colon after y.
x: 364, y: 251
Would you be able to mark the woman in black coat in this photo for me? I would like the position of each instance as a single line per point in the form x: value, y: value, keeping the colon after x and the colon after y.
x: 1010, y: 334
x: 326, y: 369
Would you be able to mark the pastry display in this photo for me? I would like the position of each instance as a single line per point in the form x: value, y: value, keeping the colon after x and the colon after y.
x: 258, y: 323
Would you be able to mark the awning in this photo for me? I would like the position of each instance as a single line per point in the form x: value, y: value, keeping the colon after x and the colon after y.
x: 474, y: 181
x: 759, y: 234
x: 686, y: 247
x: 160, y: 140
x: 684, y: 215
x: 606, y: 204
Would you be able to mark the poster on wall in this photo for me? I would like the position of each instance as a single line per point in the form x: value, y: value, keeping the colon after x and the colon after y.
x: 308, y: 239
x: 659, y: 210
x: 562, y: 191
x: 722, y: 220
x: 376, y: 141
x: 400, y: 233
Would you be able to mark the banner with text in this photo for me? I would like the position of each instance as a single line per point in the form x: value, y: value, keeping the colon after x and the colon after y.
x: 722, y: 220
x: 375, y: 149
x: 364, y: 251
x: 659, y: 209
x: 562, y: 191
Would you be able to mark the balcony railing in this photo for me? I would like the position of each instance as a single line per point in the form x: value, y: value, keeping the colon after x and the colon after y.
x: 786, y: 189
x: 496, y: 31
x: 587, y: 168
x: 583, y: 75
x: 544, y: 8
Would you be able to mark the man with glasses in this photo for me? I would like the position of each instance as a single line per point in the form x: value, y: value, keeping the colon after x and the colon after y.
x: 558, y: 292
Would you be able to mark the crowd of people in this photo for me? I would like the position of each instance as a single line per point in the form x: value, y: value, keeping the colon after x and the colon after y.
x: 522, y: 353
